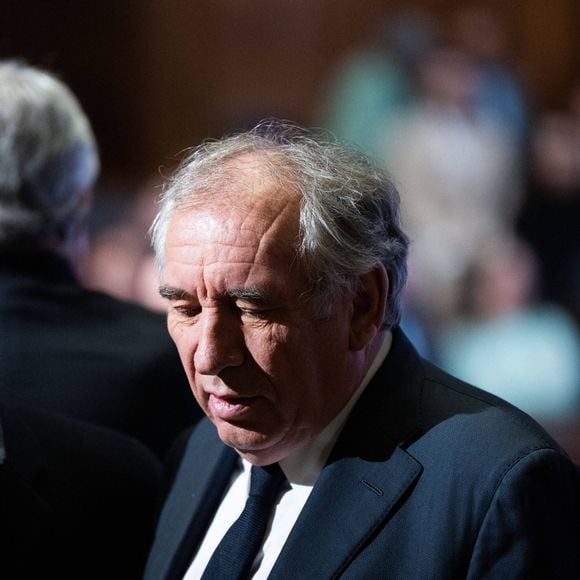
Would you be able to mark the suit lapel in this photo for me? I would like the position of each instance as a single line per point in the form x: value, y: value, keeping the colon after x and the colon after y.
x: 351, y: 500
x: 367, y: 475
x: 202, y: 478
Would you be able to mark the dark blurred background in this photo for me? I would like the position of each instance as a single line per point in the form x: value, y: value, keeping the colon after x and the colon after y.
x: 473, y: 108
x: 156, y: 77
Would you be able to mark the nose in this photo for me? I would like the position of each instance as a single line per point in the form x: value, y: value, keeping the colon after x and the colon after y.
x: 220, y: 343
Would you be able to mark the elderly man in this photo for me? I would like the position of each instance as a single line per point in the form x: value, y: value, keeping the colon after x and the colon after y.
x: 64, y: 348
x: 283, y: 261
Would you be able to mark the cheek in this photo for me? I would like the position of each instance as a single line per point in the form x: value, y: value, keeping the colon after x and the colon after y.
x: 270, y: 346
x: 183, y: 338
x: 283, y: 356
x: 177, y: 335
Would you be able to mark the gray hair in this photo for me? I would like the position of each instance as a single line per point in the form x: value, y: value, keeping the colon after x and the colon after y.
x: 48, y: 154
x: 349, y: 216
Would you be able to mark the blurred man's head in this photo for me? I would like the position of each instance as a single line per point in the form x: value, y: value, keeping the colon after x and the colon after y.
x: 48, y: 158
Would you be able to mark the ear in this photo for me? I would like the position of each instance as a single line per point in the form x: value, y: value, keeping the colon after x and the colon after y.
x: 368, y: 307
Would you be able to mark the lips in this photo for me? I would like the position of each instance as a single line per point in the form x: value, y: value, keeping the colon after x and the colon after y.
x: 228, y: 408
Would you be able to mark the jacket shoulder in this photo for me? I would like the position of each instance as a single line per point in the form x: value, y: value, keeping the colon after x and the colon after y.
x: 459, y: 408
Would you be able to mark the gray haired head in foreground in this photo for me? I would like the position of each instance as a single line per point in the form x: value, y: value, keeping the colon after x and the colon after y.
x: 48, y: 155
x: 349, y: 217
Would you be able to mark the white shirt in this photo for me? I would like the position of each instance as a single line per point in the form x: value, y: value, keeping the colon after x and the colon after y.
x: 302, y: 470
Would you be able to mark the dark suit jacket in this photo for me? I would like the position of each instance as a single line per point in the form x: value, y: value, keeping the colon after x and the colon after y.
x: 76, y: 500
x: 69, y: 350
x: 430, y: 478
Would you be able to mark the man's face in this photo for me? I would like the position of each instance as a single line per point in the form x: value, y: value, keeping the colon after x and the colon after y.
x: 268, y: 373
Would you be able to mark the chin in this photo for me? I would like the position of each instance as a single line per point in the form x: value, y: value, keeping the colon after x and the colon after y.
x: 258, y: 448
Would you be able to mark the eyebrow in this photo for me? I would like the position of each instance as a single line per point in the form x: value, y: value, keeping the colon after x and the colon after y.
x: 251, y: 294
x: 172, y: 293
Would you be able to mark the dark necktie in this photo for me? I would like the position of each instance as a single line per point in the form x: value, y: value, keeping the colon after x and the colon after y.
x: 235, y: 554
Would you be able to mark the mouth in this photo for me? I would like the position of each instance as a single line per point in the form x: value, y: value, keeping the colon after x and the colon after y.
x: 228, y: 408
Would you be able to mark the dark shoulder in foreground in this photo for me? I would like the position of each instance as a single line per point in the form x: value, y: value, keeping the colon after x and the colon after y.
x: 75, y: 499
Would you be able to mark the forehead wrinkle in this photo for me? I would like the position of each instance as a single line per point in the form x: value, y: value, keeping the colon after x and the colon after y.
x: 265, y: 226
x: 252, y: 231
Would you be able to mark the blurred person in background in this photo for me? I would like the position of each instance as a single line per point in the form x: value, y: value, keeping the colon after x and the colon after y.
x: 499, y: 91
x: 64, y: 348
x: 550, y: 217
x: 521, y: 349
x: 372, y: 84
x: 120, y: 260
x: 459, y: 177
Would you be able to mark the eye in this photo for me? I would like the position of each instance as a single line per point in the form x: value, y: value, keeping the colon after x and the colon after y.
x: 253, y: 313
x: 186, y: 310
